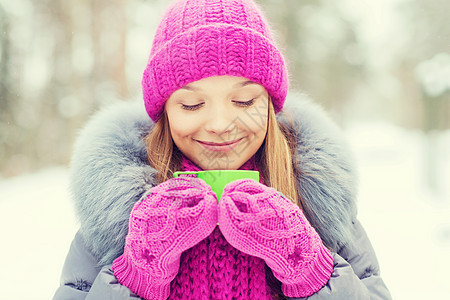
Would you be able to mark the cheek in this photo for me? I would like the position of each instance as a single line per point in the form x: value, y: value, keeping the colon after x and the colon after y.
x: 253, y: 127
x: 255, y: 120
x: 181, y: 125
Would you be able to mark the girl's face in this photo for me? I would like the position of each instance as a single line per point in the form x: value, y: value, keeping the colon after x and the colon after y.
x: 218, y: 122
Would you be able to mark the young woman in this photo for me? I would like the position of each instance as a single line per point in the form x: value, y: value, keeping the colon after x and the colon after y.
x: 215, y: 89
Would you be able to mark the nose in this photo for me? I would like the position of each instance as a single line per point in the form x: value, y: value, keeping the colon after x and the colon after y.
x: 220, y: 121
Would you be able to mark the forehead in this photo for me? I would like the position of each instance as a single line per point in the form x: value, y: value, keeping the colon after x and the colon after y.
x: 219, y: 82
x: 227, y: 81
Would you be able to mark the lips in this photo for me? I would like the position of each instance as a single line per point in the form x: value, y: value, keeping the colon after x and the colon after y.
x: 223, y: 146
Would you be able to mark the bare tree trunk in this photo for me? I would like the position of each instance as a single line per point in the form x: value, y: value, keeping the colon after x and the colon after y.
x: 109, y: 30
x: 5, y: 80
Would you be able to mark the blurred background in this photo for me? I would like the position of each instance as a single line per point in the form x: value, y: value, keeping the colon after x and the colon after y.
x: 380, y: 68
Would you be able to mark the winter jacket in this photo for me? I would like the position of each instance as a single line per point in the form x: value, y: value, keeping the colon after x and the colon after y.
x: 110, y: 172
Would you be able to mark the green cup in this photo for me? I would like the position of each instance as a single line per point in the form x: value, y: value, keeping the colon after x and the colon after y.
x: 218, y: 179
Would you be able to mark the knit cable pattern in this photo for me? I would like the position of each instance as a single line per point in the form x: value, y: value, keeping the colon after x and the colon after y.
x: 173, y: 217
x: 262, y: 222
x: 213, y: 269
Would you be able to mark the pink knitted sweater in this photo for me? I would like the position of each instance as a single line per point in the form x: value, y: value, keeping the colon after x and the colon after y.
x: 213, y: 269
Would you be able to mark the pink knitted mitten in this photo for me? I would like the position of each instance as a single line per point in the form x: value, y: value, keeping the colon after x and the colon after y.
x: 173, y: 217
x: 260, y: 221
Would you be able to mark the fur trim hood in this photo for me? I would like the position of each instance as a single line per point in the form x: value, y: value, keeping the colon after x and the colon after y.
x: 110, y: 172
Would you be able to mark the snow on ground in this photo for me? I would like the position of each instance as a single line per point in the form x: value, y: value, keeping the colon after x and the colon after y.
x: 37, y: 224
x: 408, y: 223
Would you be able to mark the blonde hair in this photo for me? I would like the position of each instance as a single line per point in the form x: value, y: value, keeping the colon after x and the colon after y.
x: 277, y: 158
x: 162, y: 155
x: 275, y: 155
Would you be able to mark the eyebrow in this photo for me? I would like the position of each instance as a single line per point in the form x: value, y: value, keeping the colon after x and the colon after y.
x: 238, y: 85
x: 189, y: 88
x: 245, y: 83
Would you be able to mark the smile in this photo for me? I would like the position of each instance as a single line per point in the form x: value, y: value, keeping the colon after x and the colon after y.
x: 225, y: 146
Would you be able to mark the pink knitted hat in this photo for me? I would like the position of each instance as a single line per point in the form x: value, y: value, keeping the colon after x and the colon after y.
x: 202, y: 38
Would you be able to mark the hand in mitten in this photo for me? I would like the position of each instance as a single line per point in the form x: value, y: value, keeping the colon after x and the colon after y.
x: 260, y: 221
x: 172, y: 217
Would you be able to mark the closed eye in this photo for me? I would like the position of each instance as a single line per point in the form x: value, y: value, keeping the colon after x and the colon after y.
x: 245, y: 103
x: 192, y: 107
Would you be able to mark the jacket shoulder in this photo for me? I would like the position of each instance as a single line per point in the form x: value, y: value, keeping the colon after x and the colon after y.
x: 326, y: 167
x: 109, y: 173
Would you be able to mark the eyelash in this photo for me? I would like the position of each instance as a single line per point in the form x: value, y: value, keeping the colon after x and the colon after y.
x: 192, y: 107
x: 238, y: 103
x: 245, y: 103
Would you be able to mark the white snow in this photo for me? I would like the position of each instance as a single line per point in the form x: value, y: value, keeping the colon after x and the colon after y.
x: 37, y: 224
x: 407, y: 222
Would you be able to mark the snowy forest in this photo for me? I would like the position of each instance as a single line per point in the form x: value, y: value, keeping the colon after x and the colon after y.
x: 380, y: 68
x: 62, y: 60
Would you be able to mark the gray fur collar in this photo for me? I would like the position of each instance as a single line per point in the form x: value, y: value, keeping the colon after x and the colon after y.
x: 109, y: 173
